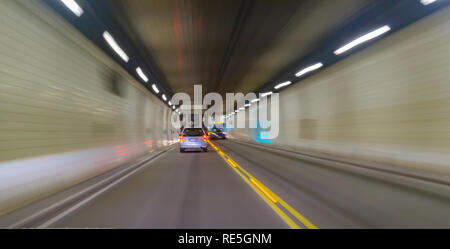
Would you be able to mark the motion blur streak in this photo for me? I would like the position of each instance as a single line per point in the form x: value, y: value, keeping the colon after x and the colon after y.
x: 73, y: 6
x: 113, y: 44
x: 362, y: 39
x: 65, y: 106
x: 86, y: 139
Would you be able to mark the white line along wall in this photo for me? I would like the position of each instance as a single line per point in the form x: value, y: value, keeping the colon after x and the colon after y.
x: 389, y: 103
x: 68, y: 112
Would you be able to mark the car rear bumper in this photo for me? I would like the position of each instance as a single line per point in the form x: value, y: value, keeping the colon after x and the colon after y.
x: 193, y: 145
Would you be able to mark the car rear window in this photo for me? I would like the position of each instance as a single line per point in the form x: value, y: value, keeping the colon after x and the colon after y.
x: 193, y: 132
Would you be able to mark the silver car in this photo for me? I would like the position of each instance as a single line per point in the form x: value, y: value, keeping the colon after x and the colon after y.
x: 193, y: 138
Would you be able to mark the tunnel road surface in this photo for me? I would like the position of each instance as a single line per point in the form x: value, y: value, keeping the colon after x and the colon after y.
x: 200, y: 190
x: 179, y: 190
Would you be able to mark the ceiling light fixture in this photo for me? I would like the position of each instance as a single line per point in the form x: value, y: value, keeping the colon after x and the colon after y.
x: 141, y: 74
x: 362, y: 39
x: 309, y: 69
x: 266, y: 94
x: 73, y: 6
x: 155, y: 88
x: 113, y: 44
x: 426, y: 2
x: 287, y: 83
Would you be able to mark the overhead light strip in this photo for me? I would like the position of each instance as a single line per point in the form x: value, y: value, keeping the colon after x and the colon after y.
x: 309, y: 69
x: 113, y: 44
x: 364, y: 38
x: 426, y: 2
x: 141, y: 74
x: 281, y: 85
x: 73, y: 6
x: 369, y: 36
x: 155, y: 88
x: 266, y: 94
x: 76, y: 9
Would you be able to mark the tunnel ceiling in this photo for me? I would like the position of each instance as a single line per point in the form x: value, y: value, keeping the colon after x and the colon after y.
x: 228, y: 46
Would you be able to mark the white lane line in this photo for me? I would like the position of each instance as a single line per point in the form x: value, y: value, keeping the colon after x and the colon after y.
x: 93, y: 196
x: 43, y: 211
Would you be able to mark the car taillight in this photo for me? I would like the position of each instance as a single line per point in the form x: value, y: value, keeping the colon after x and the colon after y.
x: 204, y: 138
x: 181, y: 138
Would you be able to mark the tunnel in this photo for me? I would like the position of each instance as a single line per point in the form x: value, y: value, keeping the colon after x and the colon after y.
x: 244, y: 114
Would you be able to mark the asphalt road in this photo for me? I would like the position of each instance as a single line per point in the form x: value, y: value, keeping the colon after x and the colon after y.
x: 336, y: 195
x: 179, y: 190
x: 200, y: 190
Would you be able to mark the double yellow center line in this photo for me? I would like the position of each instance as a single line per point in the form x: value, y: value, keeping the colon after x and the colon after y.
x: 274, y: 201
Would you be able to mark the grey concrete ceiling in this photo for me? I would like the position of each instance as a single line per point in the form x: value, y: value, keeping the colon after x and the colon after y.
x: 228, y: 45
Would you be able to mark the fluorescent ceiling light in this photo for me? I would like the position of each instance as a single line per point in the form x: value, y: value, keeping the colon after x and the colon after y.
x: 363, y: 39
x: 426, y: 2
x: 170, y: 102
x: 266, y: 94
x: 242, y: 108
x: 247, y: 105
x: 141, y: 74
x: 164, y: 97
x: 287, y: 83
x: 309, y: 69
x: 255, y: 100
x: 73, y: 6
x: 155, y: 88
x: 113, y: 44
x: 173, y: 107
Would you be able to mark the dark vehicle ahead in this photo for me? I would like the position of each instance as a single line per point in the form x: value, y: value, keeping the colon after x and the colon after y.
x: 217, y: 133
